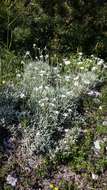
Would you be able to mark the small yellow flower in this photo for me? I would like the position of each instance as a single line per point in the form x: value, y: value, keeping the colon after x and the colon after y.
x: 3, y: 81
x: 51, y: 186
x: 56, y: 188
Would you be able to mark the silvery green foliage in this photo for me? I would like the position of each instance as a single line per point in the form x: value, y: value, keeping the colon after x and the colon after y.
x: 7, y: 104
x: 65, y: 144
x: 50, y: 101
x: 54, y: 99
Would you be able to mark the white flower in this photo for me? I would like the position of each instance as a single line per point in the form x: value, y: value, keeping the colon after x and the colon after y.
x: 51, y: 104
x: 36, y: 68
x: 34, y: 45
x: 68, y: 93
x: 3, y: 82
x: 97, y: 144
x: 66, y: 130
x: 41, y: 57
x: 55, y: 68
x: 42, y: 104
x: 40, y: 87
x: 46, y: 56
x: 79, y: 62
x: 69, y: 110
x: 82, y: 68
x: 54, y: 99
x: 57, y: 149
x: 104, y: 123
x: 80, y: 53
x: 100, y: 62
x: 67, y: 78
x: 100, y: 107
x: 86, y: 82
x: 66, y: 62
x: 92, y: 56
x: 94, y: 176
x: 46, y: 99
x: 22, y: 62
x: 31, y: 163
x: 105, y: 66
x: 38, y: 133
x: 65, y: 141
x: 96, y: 58
x: 11, y: 180
x: 93, y: 68
x: 76, y: 83
x: 76, y: 78
x: 22, y: 95
x: 47, y: 87
x: 97, y: 94
x: 93, y: 93
x: 27, y: 53
x: 36, y: 58
x: 18, y: 75
x: 42, y: 72
x: 35, y: 89
x: 63, y: 96
x: 56, y: 112
x: 63, y: 61
x: 65, y: 114
x: 28, y: 170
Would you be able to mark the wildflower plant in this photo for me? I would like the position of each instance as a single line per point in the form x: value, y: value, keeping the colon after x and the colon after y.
x: 54, y: 98
x: 46, y: 104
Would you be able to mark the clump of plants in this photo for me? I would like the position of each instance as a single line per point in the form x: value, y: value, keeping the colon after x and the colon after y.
x: 48, y: 112
x: 55, y: 98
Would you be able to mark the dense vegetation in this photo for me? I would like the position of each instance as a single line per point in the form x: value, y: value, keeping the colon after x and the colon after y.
x: 61, y: 26
x: 53, y: 95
